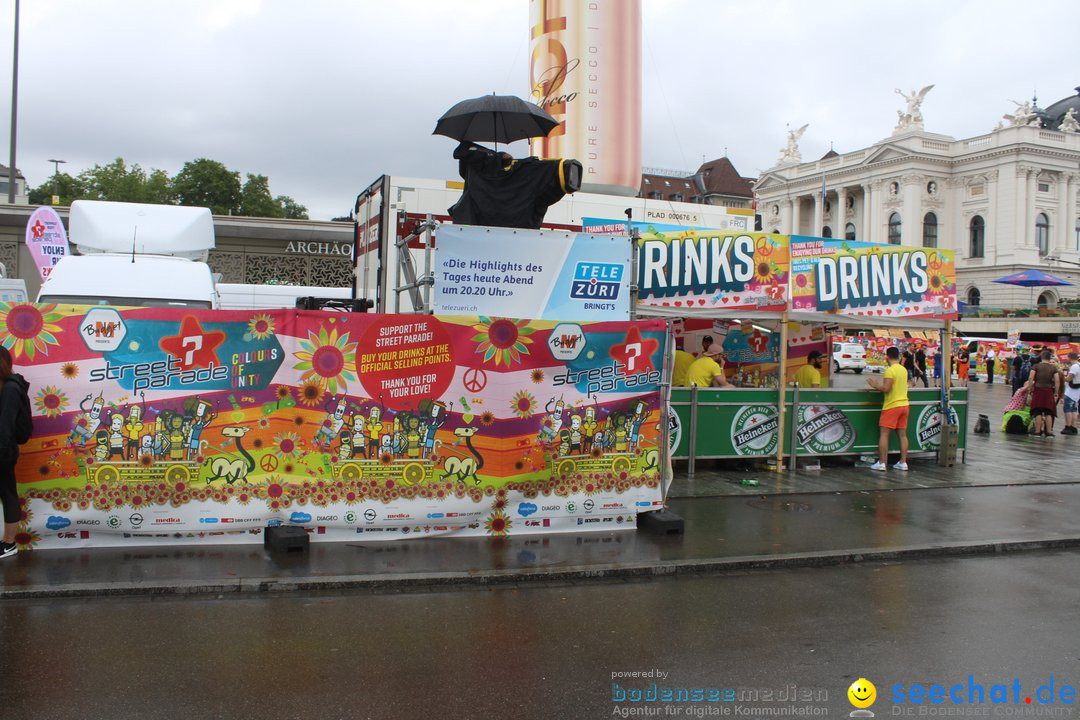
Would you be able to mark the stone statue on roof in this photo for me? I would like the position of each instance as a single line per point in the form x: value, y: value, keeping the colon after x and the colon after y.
x: 791, y: 154
x: 911, y: 117
x: 1069, y: 123
x: 1024, y: 115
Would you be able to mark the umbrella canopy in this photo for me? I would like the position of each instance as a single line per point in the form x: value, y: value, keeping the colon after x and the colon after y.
x: 1032, y: 278
x: 495, y: 118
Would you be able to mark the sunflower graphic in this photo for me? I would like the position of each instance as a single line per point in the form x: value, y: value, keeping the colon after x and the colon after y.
x: 27, y: 329
x: 937, y: 282
x: 502, y: 339
x: 288, y: 445
x: 523, y: 404
x: 311, y: 393
x: 69, y: 371
x: 498, y: 524
x: 261, y: 326
x: 51, y: 401
x: 765, y: 271
x: 329, y: 358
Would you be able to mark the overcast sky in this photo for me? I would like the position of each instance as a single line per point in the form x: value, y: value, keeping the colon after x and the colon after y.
x: 323, y: 97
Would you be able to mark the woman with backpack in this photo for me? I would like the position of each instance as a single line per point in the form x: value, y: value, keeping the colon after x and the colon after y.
x: 15, y: 428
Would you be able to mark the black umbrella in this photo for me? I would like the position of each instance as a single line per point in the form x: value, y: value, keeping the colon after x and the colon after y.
x: 495, y: 118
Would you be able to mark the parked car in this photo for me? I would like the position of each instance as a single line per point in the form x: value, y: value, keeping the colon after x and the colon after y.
x: 849, y: 356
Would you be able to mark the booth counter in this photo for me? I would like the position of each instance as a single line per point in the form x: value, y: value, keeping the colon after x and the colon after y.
x: 739, y: 423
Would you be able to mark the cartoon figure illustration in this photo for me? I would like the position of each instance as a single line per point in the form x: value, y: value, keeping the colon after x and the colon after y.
x: 412, y: 435
x: 175, y: 436
x: 553, y: 423
x: 374, y: 430
x: 146, y: 447
x: 133, y: 427
x: 641, y: 412
x: 463, y: 468
x: 575, y: 434
x: 399, y: 443
x: 615, y: 421
x: 83, y: 432
x: 564, y: 442
x: 232, y: 470
x: 101, y: 449
x: 359, y: 442
x: 331, y: 424
x: 161, y: 437
x: 588, y: 429
x: 345, y: 446
x: 204, y: 415
x: 597, y: 441
x: 436, y: 419
x: 387, y: 445
x: 116, y: 436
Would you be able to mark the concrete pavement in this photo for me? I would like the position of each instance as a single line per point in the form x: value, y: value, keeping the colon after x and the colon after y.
x: 1013, y: 493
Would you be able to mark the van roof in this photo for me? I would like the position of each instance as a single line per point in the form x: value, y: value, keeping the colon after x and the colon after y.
x: 117, y: 227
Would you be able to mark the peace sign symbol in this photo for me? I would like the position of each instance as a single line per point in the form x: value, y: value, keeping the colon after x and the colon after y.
x: 475, y: 380
x: 268, y: 463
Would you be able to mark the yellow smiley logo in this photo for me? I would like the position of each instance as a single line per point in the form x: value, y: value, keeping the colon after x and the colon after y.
x: 862, y: 693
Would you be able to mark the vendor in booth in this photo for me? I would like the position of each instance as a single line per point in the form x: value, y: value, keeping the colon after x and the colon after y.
x: 809, y: 375
x: 708, y: 370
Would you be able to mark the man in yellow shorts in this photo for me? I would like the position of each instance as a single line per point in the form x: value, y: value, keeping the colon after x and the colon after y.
x: 894, y: 411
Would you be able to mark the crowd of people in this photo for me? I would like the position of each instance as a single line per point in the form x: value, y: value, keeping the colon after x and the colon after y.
x: 1039, y: 386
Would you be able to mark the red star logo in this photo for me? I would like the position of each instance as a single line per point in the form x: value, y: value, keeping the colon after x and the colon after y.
x: 38, y: 229
x: 193, y: 346
x: 758, y: 342
x: 635, y: 353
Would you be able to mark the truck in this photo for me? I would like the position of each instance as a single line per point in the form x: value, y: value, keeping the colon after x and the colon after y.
x: 133, y: 254
x: 391, y: 212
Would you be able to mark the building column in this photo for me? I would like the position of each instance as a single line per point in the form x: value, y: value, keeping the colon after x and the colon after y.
x: 840, y: 213
x: 785, y: 216
x: 1029, y: 215
x: 1065, y: 191
x: 819, y: 214
x: 796, y: 215
x: 911, y: 212
x: 867, y: 204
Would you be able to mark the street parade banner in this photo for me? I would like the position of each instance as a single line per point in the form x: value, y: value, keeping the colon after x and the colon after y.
x: 689, y: 270
x: 854, y: 278
x: 46, y: 239
x: 551, y: 274
x: 167, y: 425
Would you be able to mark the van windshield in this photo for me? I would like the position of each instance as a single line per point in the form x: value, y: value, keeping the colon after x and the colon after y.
x: 122, y: 301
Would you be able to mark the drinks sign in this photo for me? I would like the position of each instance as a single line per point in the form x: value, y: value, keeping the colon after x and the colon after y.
x: 46, y: 239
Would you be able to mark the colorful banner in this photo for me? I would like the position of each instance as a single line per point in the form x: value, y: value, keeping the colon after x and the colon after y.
x: 46, y: 239
x: 157, y: 425
x: 533, y: 273
x: 867, y: 279
x: 710, y: 270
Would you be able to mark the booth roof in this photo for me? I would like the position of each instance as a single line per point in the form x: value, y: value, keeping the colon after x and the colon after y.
x: 856, y: 321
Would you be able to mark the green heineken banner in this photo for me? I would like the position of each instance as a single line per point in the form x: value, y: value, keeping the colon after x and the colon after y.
x: 744, y: 422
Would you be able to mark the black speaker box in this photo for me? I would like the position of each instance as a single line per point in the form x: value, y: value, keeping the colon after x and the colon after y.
x: 286, y: 538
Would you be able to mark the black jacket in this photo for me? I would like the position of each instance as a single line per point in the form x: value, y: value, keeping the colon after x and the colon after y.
x: 14, y: 398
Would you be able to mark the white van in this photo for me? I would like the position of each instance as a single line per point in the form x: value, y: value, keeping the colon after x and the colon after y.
x: 849, y: 356
x: 135, y: 254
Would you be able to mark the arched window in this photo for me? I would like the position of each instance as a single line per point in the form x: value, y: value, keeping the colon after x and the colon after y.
x: 849, y: 231
x: 978, y: 237
x: 894, y: 229
x: 974, y: 296
x: 929, y: 230
x: 1042, y: 233
x: 826, y: 232
x: 1046, y: 299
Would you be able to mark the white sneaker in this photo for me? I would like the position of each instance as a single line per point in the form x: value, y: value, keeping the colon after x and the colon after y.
x: 900, y: 466
x: 879, y: 466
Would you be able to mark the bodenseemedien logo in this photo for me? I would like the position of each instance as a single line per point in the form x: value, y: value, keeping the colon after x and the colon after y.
x: 754, y: 430
x: 862, y: 695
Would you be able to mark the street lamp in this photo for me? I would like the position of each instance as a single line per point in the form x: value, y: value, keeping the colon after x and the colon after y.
x: 56, y: 179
